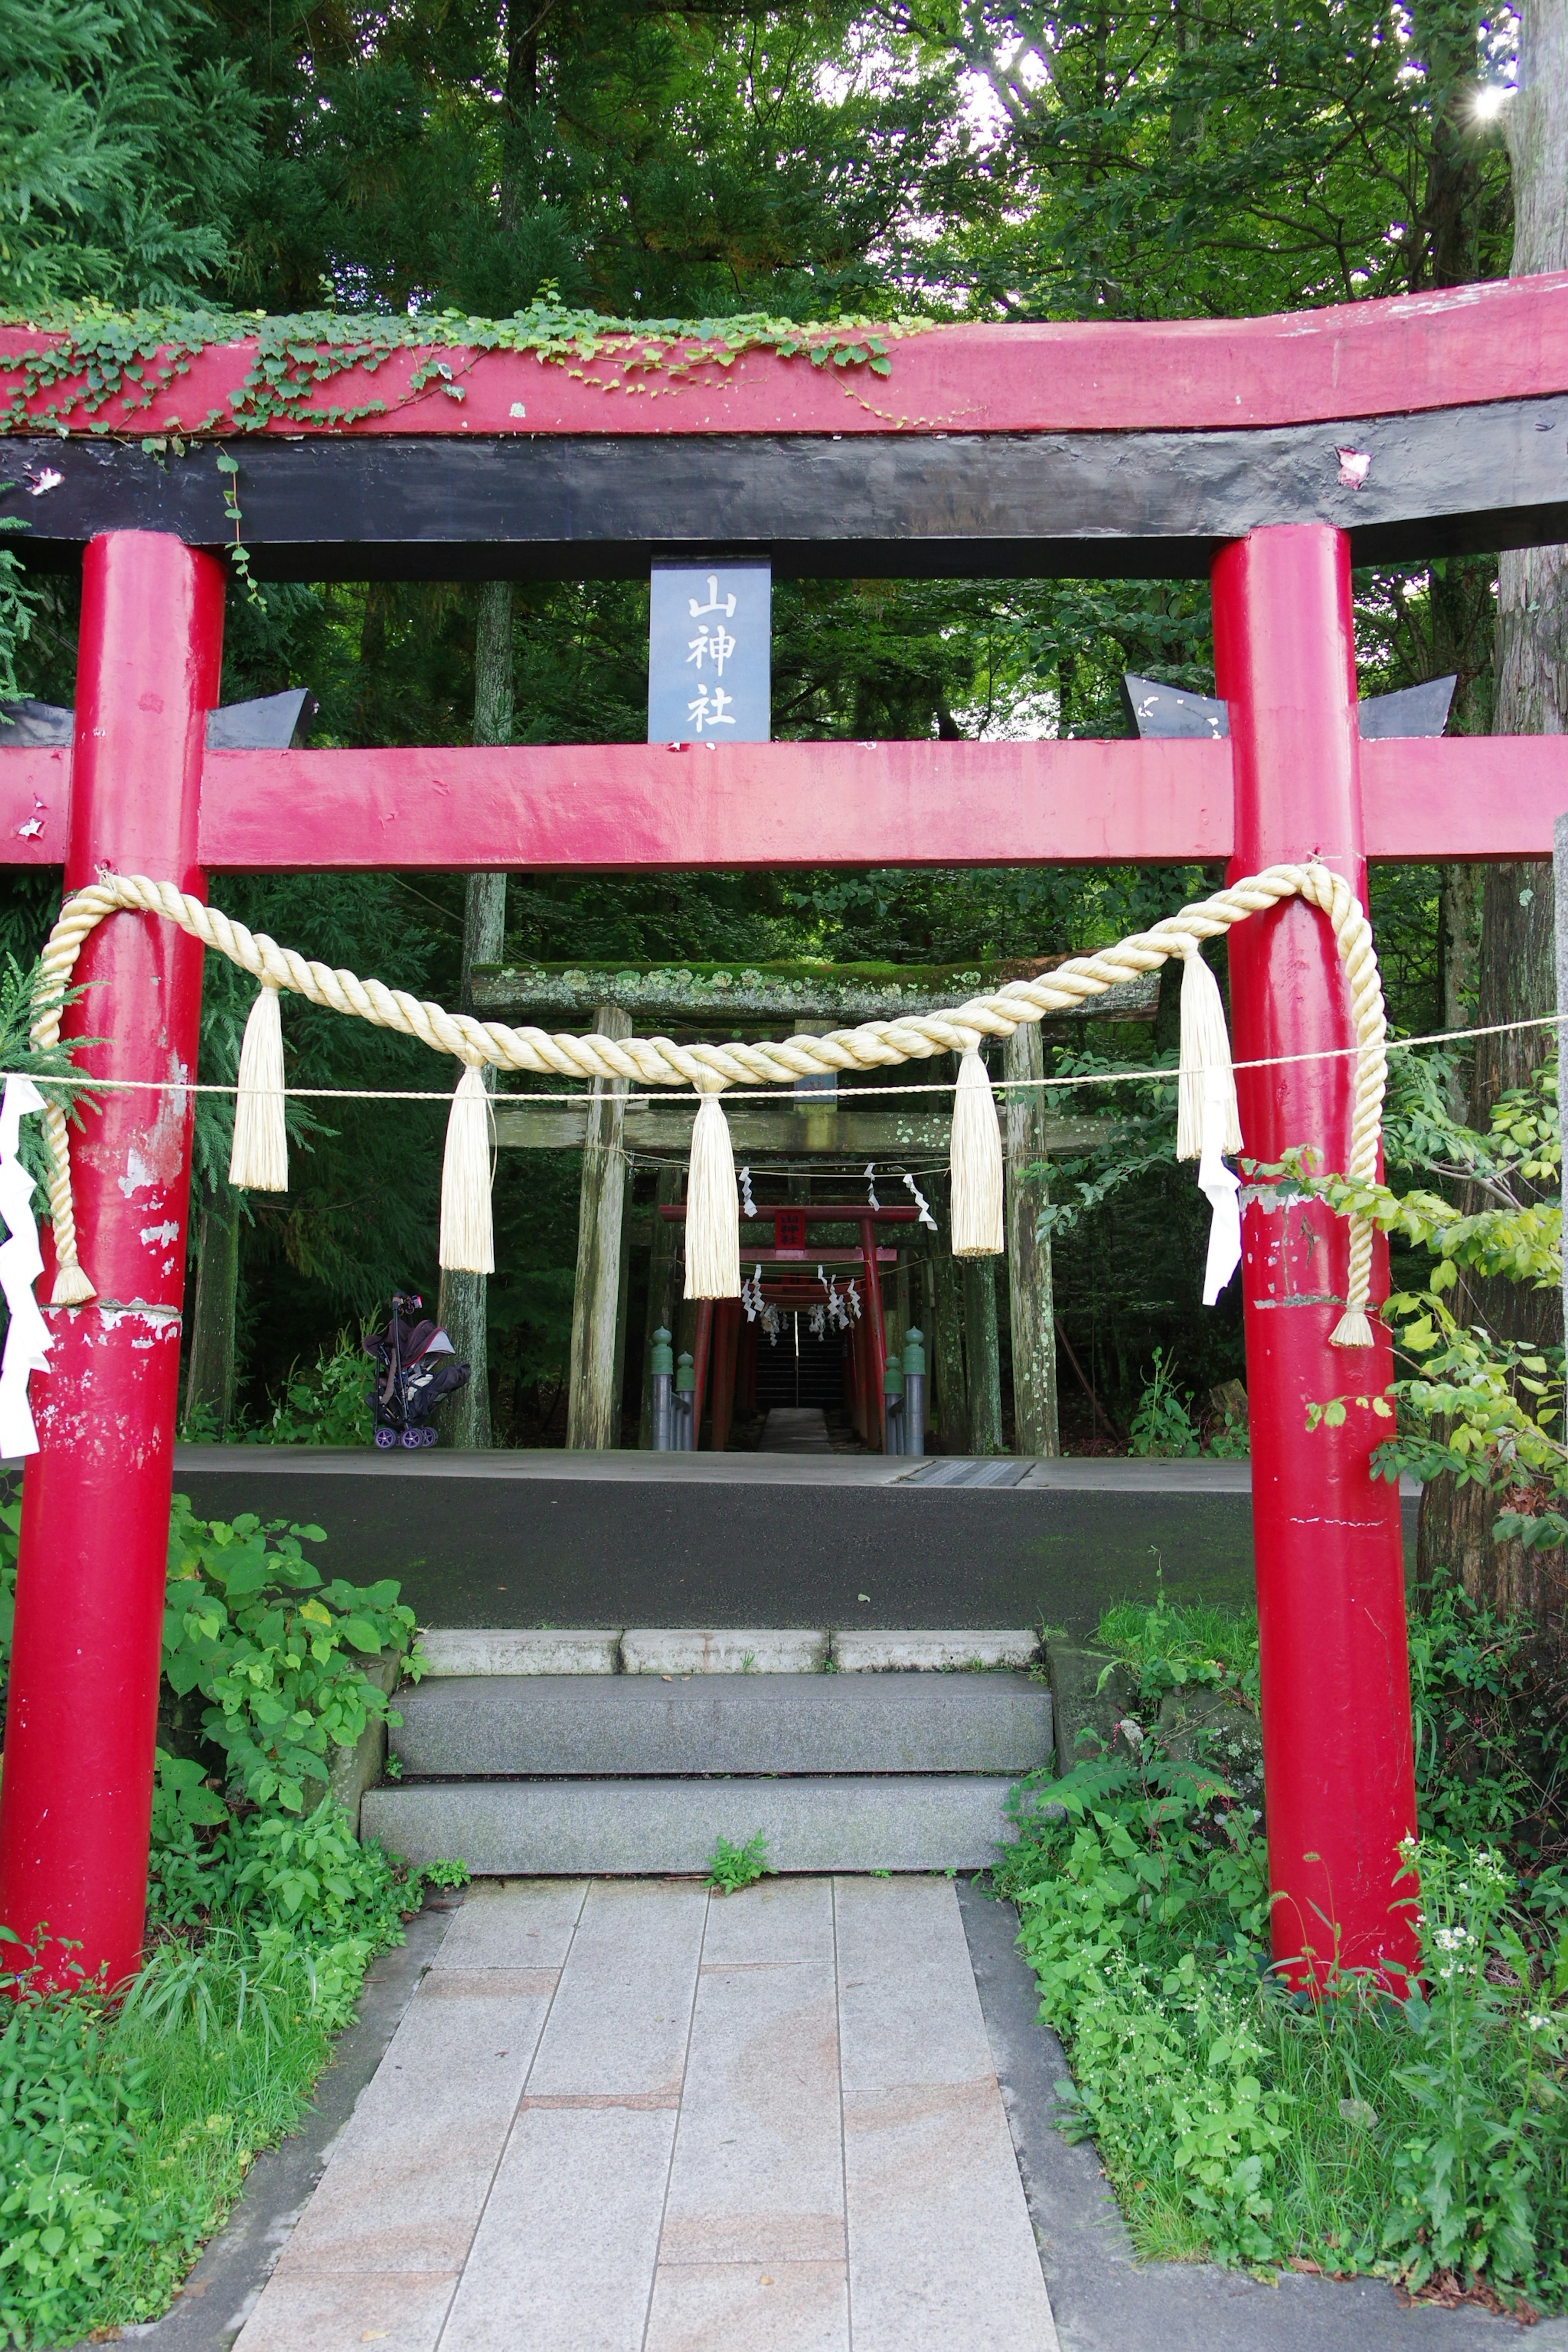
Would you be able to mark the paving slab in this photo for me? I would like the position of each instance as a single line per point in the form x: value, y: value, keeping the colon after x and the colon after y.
x: 507, y: 1829
x: 942, y: 2255
x: 728, y: 1650
x: 764, y: 2308
x: 758, y: 2173
x: 565, y: 2259
x: 518, y: 1650
x: 974, y: 1647
x: 571, y: 2229
x: 384, y: 2241
x: 473, y: 1726
x: 620, y: 2026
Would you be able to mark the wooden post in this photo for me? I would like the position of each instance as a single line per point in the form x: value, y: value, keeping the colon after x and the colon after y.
x: 726, y: 1346
x: 701, y: 1357
x: 982, y: 1352
x: 663, y: 1303
x: 462, y: 1303
x: 623, y: 1303
x: 593, y: 1406
x: 1029, y: 1257
x: 209, y: 1377
x: 876, y: 1354
x: 946, y: 1357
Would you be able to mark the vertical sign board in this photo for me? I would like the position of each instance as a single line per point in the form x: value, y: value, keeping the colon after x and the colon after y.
x: 710, y: 669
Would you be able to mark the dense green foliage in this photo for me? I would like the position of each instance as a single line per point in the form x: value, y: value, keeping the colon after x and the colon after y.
x: 1486, y: 1412
x: 127, y: 2127
x: 1360, y: 2133
x: 277, y: 1655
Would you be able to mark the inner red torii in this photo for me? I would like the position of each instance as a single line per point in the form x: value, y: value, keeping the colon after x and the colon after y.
x: 1139, y: 448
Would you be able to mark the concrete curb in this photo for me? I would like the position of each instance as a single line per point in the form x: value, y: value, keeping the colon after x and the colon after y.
x: 222, y: 2290
x: 1103, y: 2299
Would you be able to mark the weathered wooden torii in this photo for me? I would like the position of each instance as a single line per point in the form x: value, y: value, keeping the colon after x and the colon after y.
x: 1270, y: 454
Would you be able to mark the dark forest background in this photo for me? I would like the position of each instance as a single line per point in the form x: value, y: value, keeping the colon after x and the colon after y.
x: 1196, y: 158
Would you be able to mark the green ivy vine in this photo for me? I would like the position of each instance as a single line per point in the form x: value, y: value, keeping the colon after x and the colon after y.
x: 101, y: 370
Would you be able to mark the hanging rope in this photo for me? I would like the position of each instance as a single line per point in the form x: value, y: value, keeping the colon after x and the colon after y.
x: 710, y: 1068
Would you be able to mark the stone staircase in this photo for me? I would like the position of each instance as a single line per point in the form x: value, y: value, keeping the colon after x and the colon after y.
x: 529, y: 1754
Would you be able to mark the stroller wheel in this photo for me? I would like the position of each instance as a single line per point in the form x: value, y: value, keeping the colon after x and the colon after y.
x: 428, y: 1436
x: 412, y: 1438
x: 386, y: 1437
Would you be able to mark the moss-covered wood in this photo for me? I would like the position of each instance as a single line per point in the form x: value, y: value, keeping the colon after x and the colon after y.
x: 781, y: 1128
x: 764, y: 995
x: 592, y: 1400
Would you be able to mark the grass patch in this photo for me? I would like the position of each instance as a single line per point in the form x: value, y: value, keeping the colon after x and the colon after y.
x: 1421, y: 2139
x: 127, y: 2124
x: 127, y: 2127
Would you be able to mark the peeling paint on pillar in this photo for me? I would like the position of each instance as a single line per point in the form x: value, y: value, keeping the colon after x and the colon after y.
x: 76, y: 1797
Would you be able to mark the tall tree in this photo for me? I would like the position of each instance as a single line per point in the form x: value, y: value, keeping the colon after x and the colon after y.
x: 1517, y: 977
x: 124, y: 152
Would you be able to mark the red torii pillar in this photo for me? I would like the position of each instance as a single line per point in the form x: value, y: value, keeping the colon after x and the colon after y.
x: 1338, y: 1763
x: 76, y: 1797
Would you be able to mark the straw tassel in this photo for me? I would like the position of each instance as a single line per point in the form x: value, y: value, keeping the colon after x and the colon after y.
x: 977, y: 1163
x: 712, y: 1208
x: 468, y: 1240
x: 73, y: 1287
x: 1353, y: 1330
x: 260, y: 1159
x: 1205, y: 1046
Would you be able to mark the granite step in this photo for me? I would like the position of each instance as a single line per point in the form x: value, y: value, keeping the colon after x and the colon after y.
x: 648, y: 1828
x: 658, y: 1726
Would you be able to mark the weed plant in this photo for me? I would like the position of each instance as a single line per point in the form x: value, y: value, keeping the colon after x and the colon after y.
x: 1420, y: 2138
x: 127, y: 2123
x: 730, y: 1867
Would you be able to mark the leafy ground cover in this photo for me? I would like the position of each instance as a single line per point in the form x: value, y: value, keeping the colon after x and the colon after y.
x: 1425, y: 2139
x: 126, y: 2124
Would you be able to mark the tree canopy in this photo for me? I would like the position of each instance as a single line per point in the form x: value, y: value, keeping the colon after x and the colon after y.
x: 969, y: 158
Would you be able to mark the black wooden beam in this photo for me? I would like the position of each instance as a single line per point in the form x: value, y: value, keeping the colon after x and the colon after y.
x: 1093, y: 505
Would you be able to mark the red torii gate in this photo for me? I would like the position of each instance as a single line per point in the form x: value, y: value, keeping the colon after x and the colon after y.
x: 1136, y: 450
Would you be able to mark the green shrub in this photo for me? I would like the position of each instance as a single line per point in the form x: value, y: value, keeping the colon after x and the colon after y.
x: 1357, y: 2132
x: 1163, y: 1424
x: 69, y: 2114
x: 328, y: 1405
x: 126, y: 2132
x: 250, y: 1627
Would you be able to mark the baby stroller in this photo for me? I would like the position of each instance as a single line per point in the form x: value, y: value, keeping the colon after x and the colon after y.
x: 417, y: 1366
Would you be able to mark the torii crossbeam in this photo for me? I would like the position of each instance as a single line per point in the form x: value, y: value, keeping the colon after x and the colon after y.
x: 1031, y: 450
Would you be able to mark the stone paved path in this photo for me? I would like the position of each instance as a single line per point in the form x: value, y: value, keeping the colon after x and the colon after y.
x: 629, y: 2117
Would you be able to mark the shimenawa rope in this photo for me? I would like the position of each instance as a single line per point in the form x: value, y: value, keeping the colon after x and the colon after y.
x: 712, y: 1241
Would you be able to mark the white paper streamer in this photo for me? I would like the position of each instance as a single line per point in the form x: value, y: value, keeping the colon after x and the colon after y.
x: 28, y: 1341
x: 921, y: 1203
x: 871, y: 1185
x: 1222, y: 1186
x: 748, y: 1206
